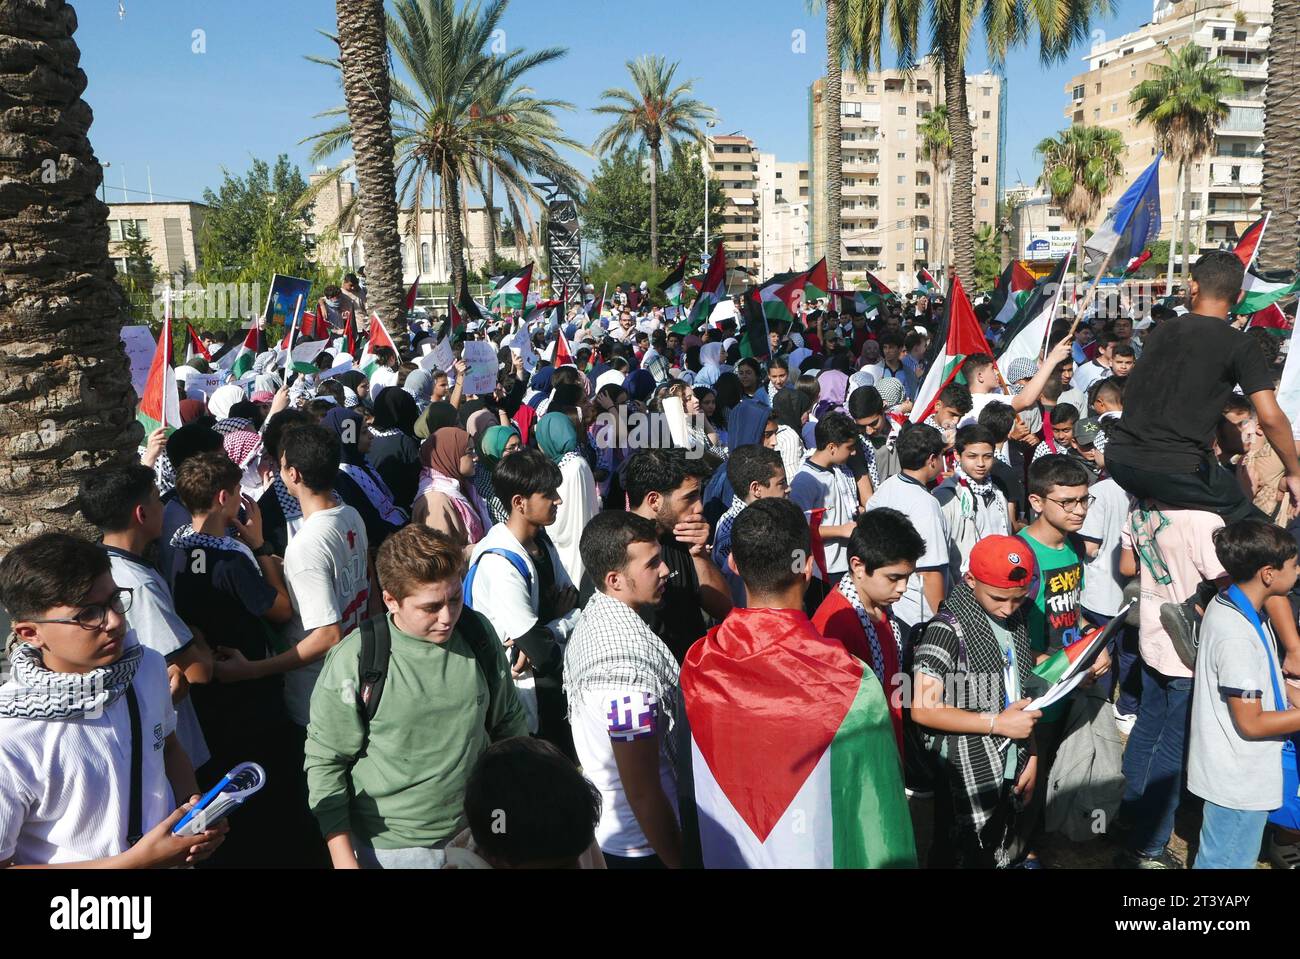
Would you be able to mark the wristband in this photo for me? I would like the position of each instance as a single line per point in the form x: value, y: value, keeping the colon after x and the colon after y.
x: 264, y: 550
x: 993, y: 720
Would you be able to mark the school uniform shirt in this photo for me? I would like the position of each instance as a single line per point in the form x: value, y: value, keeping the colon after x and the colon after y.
x: 1103, y: 587
x: 790, y: 445
x: 1053, y: 622
x: 1087, y: 374
x: 325, y: 571
x: 1223, y: 766
x: 970, y: 518
x: 833, y: 489
x: 152, y: 617
x: 174, y: 517
x: 914, y: 501
x: 65, y: 785
x: 978, y: 402
x: 904, y: 376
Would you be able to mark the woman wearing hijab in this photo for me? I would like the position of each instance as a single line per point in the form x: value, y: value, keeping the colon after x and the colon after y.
x: 710, y: 364
x: 447, y: 500
x: 745, y: 427
x: 357, y: 482
x: 539, y: 387
x: 420, y: 385
x: 394, y: 450
x: 478, y: 422
x: 791, y: 408
x: 729, y: 395
x: 752, y: 386
x: 640, y: 384
x: 833, y: 386
x: 191, y: 410
x: 495, y: 443
x: 437, y: 415
x: 579, y: 497
x: 223, y: 398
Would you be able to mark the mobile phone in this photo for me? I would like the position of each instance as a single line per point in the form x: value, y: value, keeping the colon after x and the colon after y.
x: 221, y: 800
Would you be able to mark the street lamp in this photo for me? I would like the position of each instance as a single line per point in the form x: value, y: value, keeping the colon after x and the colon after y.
x: 704, y: 162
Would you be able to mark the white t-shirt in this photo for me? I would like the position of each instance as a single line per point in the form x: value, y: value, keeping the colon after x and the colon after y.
x: 1103, y: 587
x: 325, y: 570
x: 1088, y: 373
x: 599, y: 717
x: 152, y: 617
x: 978, y: 402
x: 831, y: 488
x: 914, y: 501
x: 65, y: 785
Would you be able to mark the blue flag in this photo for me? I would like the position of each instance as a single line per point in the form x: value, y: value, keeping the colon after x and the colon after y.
x: 1131, y: 225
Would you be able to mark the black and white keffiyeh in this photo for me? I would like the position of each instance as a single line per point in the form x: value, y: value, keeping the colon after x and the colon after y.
x: 985, y: 492
x: 613, y: 647
x: 376, y: 491
x: 850, y: 592
x: 41, y: 693
x: 187, y: 538
x: 722, y: 536
x: 289, y: 504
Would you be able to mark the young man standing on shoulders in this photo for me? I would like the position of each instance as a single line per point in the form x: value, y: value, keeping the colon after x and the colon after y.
x: 622, y: 685
x: 387, y: 790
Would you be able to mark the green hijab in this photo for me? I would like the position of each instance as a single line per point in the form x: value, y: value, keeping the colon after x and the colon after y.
x: 493, y: 443
x: 556, y: 436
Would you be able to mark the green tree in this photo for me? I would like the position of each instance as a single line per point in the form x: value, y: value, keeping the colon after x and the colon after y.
x: 463, y: 113
x: 988, y: 257
x: 137, y: 280
x: 1080, y: 166
x: 618, y: 268
x: 936, y: 146
x: 255, y: 222
x: 1183, y: 101
x: 654, y: 114
x: 1281, y: 139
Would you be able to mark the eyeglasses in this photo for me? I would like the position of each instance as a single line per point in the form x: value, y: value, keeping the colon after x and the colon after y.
x: 1078, y: 505
x: 93, y: 617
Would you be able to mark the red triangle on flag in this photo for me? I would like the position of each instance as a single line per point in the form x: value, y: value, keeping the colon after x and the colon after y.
x: 196, y: 344
x: 1021, y: 279
x: 561, y: 356
x: 410, y: 295
x: 1248, y: 246
x: 379, y: 335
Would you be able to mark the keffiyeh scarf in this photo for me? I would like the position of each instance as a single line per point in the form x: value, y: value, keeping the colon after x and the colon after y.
x: 378, y: 494
x: 44, y: 694
x: 850, y: 592
x: 984, y: 492
x: 289, y: 504
x: 187, y: 538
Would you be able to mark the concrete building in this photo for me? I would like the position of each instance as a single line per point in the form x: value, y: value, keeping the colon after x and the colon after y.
x: 784, y: 195
x: 172, y: 229
x: 733, y: 163
x: 1038, y: 229
x: 419, y: 260
x: 893, y: 206
x: 1225, y: 185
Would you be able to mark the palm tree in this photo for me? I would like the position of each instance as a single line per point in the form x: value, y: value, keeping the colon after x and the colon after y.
x: 654, y: 113
x: 1184, y: 103
x: 1281, y: 140
x: 66, y: 403
x: 364, y: 56
x: 936, y: 146
x: 1059, y: 25
x: 1080, y: 165
x: 463, y: 116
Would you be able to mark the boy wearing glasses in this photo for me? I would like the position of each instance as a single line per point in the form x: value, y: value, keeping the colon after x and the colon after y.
x: 84, y: 696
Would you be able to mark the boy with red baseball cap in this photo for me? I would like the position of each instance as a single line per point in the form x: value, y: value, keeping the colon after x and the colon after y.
x: 971, y: 668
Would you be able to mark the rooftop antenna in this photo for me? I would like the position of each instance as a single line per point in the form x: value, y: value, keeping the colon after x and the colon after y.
x: 149, y: 179
x: 125, y: 198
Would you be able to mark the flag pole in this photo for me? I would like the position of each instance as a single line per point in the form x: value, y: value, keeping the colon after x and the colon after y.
x: 1092, y: 290
x: 1056, y: 305
x: 167, y: 351
x: 293, y: 326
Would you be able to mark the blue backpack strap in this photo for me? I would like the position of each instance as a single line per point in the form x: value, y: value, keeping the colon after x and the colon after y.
x: 517, y: 561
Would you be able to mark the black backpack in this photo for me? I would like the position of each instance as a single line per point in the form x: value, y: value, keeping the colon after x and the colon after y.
x: 376, y: 647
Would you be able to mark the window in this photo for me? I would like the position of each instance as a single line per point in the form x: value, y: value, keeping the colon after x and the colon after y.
x: 900, y: 268
x: 850, y: 87
x: 902, y: 133
x: 902, y: 111
x: 986, y: 115
x: 1098, y: 89
x: 871, y: 88
x: 986, y: 91
x: 426, y: 262
x: 898, y: 248
x: 1238, y: 35
x: 985, y: 136
x: 851, y: 109
x: 1078, y: 92
x: 1096, y: 113
x: 902, y: 179
x: 900, y: 156
x: 1132, y: 73
x: 1114, y: 108
x: 902, y: 201
x: 984, y: 181
x: 984, y: 158
x: 1220, y: 33
x: 984, y: 203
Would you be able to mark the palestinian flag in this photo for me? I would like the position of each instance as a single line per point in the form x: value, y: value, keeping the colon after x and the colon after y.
x: 561, y: 355
x: 672, y: 285
x: 959, y: 336
x: 512, y: 292
x: 1247, y: 247
x: 378, y: 337
x: 1027, y: 332
x: 763, y: 791
x: 302, y: 359
x: 753, y: 341
x: 411, y: 294
x: 782, y: 297
x: 925, y: 282
x: 594, y: 311
x: 350, y: 335
x: 454, y: 324
x: 160, y: 406
x: 242, y: 359
x: 816, y: 284
x: 1054, y: 667
x: 712, y: 290
x: 878, y: 287
x: 1014, y: 287
x: 537, y: 310
x: 1135, y: 264
x: 194, y: 346
x: 857, y: 302
x: 1271, y: 319
x: 1262, y: 293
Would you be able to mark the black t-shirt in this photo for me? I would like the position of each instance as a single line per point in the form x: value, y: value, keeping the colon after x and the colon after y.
x: 1177, y: 390
x: 1009, y: 480
x: 396, y: 459
x: 678, y: 620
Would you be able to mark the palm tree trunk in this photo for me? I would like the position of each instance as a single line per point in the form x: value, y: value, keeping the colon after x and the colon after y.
x: 66, y: 403
x: 834, y: 167
x: 962, y: 213
x: 934, y: 225
x: 1173, y: 230
x: 491, y: 219
x: 451, y: 219
x: 1187, y: 225
x: 363, y: 53
x: 654, y: 205
x: 1281, y: 140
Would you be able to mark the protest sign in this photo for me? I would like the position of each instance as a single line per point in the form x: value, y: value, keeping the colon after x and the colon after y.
x: 139, y: 344
x: 481, y: 377
x: 439, y: 357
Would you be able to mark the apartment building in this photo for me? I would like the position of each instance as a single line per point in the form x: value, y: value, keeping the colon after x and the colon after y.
x: 894, y: 203
x: 733, y: 164
x: 1226, y: 184
x: 784, y: 205
x: 1039, y: 231
x: 172, y: 229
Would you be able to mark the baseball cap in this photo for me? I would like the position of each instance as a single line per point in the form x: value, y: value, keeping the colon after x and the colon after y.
x: 1003, y: 562
x: 1088, y: 431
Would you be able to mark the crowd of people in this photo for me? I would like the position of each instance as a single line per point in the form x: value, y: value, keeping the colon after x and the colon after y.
x: 672, y: 604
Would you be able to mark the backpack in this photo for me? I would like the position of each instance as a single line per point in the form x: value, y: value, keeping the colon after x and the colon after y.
x: 376, y: 648
x: 517, y: 561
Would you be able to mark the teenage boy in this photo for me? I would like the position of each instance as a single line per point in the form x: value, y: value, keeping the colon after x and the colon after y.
x: 324, y: 569
x: 1107, y: 399
x: 517, y: 581
x: 665, y: 486
x: 387, y: 790
x: 622, y: 685
x: 971, y: 669
x: 883, y: 551
x: 754, y: 472
x: 1242, y: 707
x: 753, y: 775
x: 825, y: 490
x: 83, y: 700
x: 970, y: 500
x: 1162, y: 447
x: 122, y: 502
x: 876, y: 456
x: 920, y: 449
x: 1060, y: 439
x: 892, y: 365
x: 1097, y: 368
x: 982, y: 378
x: 1122, y: 358
x: 233, y: 591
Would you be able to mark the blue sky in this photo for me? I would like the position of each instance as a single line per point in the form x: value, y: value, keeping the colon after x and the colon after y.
x: 180, y: 116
